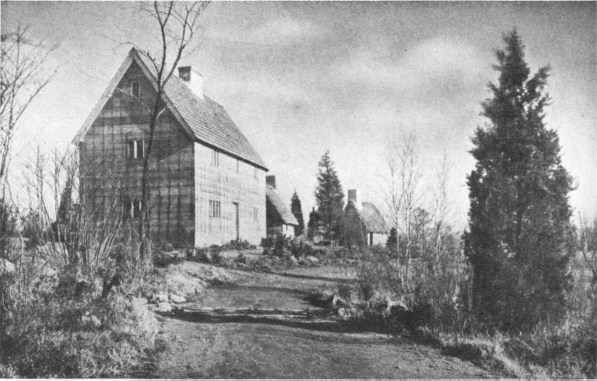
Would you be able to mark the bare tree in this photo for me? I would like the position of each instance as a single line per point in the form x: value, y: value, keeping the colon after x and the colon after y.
x: 403, y: 198
x: 178, y: 23
x: 23, y: 75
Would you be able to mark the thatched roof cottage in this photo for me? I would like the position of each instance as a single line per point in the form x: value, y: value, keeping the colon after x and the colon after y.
x: 280, y: 220
x: 363, y: 223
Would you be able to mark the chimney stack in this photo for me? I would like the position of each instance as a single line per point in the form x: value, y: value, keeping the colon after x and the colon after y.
x: 192, y: 78
x: 353, y: 195
x: 271, y: 181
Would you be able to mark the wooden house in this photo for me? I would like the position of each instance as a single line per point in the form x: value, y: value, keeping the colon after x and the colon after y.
x: 280, y: 220
x: 364, y: 225
x: 206, y: 181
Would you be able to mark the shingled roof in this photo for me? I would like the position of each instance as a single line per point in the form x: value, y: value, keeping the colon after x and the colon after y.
x: 280, y: 207
x: 205, y: 119
x: 372, y: 218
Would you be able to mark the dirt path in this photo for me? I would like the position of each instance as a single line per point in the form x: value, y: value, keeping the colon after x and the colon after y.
x: 260, y: 326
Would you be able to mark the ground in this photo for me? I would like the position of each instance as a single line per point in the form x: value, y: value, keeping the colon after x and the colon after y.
x: 259, y: 325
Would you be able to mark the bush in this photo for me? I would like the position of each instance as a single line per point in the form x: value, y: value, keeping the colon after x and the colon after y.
x: 69, y: 326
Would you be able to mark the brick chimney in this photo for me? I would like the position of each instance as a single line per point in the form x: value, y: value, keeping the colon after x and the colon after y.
x: 193, y: 79
x: 271, y: 181
x: 353, y: 195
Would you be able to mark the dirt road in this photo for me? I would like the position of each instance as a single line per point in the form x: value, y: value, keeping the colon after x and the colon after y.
x: 260, y: 326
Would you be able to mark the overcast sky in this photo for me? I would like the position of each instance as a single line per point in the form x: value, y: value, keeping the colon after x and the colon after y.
x: 299, y: 78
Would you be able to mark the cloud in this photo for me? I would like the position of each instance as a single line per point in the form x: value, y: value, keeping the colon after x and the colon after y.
x: 430, y: 63
x: 284, y: 31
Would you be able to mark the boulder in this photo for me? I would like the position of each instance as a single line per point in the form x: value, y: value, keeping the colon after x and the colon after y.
x: 177, y: 299
x: 339, y: 302
x: 294, y: 260
x: 6, y: 267
x: 311, y: 259
x: 164, y: 307
x: 160, y: 298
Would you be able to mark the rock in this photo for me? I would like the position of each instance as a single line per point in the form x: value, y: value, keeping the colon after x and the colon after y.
x: 164, y: 307
x: 311, y: 259
x: 339, y: 302
x: 48, y: 272
x: 160, y: 298
x: 266, y: 269
x: 6, y: 267
x: 93, y: 320
x: 177, y: 299
x: 293, y: 260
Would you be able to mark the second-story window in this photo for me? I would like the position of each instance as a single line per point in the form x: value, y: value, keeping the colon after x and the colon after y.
x: 215, y: 158
x: 135, y: 149
x: 255, y: 172
x: 135, y: 89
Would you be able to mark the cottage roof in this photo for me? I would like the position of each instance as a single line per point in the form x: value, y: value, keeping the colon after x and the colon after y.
x: 204, y: 119
x: 286, y: 215
x: 371, y: 217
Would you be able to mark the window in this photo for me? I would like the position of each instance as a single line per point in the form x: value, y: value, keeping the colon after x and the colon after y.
x: 135, y: 149
x: 255, y: 215
x: 214, y: 209
x: 237, y: 165
x: 215, y: 158
x: 255, y: 172
x: 135, y: 89
x: 132, y: 209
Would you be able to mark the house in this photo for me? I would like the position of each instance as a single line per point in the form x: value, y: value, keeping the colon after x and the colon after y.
x: 363, y: 223
x: 280, y: 220
x: 206, y: 181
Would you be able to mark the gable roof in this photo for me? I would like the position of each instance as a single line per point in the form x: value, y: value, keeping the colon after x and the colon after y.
x: 278, y: 204
x: 370, y: 216
x: 203, y: 119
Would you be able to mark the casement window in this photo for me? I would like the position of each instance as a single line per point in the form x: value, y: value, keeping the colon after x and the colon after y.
x: 214, y: 209
x: 132, y: 209
x: 215, y: 158
x: 255, y: 215
x: 237, y: 166
x: 255, y: 172
x: 136, y: 149
x: 135, y: 89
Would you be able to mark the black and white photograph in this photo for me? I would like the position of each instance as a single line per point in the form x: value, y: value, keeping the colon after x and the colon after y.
x: 298, y: 189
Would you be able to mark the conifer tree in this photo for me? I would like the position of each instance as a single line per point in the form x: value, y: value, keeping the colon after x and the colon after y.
x: 329, y: 197
x: 297, y: 210
x: 520, y: 237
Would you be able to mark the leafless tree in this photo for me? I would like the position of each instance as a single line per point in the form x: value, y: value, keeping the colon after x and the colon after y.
x: 24, y: 74
x: 178, y: 24
x: 403, y: 197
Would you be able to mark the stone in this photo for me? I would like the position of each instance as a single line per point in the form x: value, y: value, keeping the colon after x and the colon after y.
x: 164, y: 307
x: 339, y: 302
x: 177, y: 299
x: 48, y: 272
x: 312, y: 259
x: 6, y: 267
x: 293, y: 260
x: 160, y: 298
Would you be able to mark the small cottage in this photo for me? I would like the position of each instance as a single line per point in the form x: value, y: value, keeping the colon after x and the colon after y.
x: 363, y: 223
x: 279, y: 219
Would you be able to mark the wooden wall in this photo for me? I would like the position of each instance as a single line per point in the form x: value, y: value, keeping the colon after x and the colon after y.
x: 106, y: 171
x: 228, y: 185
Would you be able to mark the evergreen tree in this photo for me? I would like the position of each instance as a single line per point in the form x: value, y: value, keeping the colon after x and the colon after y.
x: 329, y: 197
x: 313, y: 225
x: 65, y: 201
x: 297, y: 211
x: 520, y: 237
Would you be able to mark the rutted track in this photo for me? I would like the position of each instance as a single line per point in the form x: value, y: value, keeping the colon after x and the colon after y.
x: 260, y: 326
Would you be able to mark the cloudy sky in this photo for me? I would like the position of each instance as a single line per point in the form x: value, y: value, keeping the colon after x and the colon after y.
x: 303, y: 77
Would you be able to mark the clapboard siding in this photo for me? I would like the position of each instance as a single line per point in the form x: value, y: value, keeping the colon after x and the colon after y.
x: 171, y: 171
x: 182, y: 179
x: 229, y: 186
